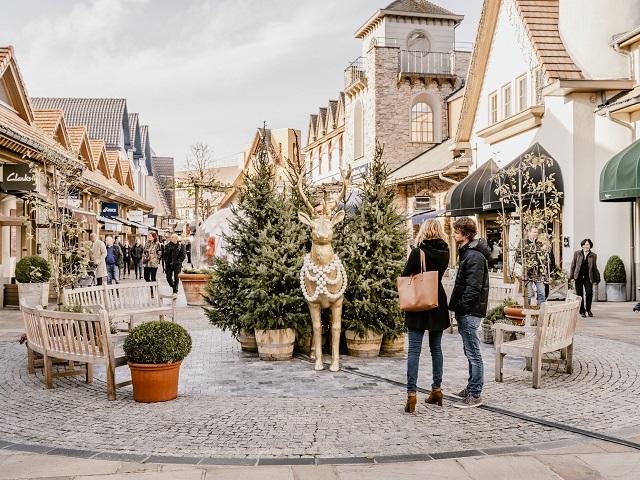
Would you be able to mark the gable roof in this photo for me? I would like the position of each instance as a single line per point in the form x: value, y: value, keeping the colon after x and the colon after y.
x: 99, y: 153
x: 80, y: 142
x: 407, y: 8
x: 540, y: 19
x: 51, y: 122
x: 321, y: 126
x: 15, y: 87
x: 162, y: 169
x: 115, y: 167
x: 105, y: 118
x: 147, y: 152
x: 134, y: 134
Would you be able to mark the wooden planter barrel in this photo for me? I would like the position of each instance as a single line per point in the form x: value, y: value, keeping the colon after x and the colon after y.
x: 247, y: 340
x: 155, y: 382
x: 393, y: 346
x: 363, y: 347
x: 194, y: 285
x: 275, y: 344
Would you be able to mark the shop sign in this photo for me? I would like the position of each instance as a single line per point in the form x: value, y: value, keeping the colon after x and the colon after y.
x: 109, y: 210
x: 135, y: 216
x: 17, y: 177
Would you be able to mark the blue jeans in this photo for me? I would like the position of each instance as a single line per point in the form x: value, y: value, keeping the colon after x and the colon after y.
x: 539, y: 290
x: 468, y: 328
x: 137, y: 267
x: 113, y: 273
x: 413, y: 357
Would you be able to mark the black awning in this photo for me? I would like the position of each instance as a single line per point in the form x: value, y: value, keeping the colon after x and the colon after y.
x: 466, y: 197
x: 491, y: 201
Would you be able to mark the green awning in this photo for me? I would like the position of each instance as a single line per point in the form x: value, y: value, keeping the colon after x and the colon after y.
x: 620, y: 177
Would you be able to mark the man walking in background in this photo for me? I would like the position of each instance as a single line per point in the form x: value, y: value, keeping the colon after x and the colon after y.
x: 469, y: 302
x: 173, y: 256
x: 136, y: 255
x: 97, y: 255
x: 114, y: 261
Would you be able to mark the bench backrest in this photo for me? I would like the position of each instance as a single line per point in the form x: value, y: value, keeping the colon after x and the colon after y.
x: 84, y: 296
x: 499, y: 291
x: 557, y: 325
x: 32, y: 326
x: 571, y: 297
x: 82, y: 337
x: 131, y: 296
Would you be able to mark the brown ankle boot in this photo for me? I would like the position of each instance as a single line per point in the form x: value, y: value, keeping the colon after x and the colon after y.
x: 435, y: 396
x: 411, y: 402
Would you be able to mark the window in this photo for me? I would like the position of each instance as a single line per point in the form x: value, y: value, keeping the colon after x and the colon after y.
x: 493, y: 108
x: 506, y: 101
x: 358, y: 130
x: 523, y: 93
x: 421, y: 123
x: 418, y: 41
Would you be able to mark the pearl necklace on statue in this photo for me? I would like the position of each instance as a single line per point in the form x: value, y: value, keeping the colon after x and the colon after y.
x: 320, y: 276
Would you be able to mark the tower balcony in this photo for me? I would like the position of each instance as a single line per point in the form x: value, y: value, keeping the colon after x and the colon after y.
x: 354, y: 78
x: 426, y: 66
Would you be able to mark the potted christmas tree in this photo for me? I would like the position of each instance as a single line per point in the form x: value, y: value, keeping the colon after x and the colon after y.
x: 373, y: 245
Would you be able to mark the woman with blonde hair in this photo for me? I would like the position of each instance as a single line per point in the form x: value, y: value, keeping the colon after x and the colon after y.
x: 430, y: 240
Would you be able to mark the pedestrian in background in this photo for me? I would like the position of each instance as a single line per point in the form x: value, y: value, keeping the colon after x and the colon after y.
x: 469, y: 300
x: 113, y: 260
x: 151, y: 258
x: 97, y: 256
x: 430, y: 240
x: 584, y: 272
x: 126, y: 256
x: 536, y: 257
x: 174, y: 255
x: 136, y: 255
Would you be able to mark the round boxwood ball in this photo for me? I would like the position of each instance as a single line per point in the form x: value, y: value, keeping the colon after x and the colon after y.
x: 157, y: 342
x: 33, y: 269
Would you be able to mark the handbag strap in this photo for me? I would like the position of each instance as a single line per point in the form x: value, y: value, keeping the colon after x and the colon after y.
x: 423, y: 261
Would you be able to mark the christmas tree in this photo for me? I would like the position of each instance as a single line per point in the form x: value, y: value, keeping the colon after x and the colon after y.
x: 372, y: 244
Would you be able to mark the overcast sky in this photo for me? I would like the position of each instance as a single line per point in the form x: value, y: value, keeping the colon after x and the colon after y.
x: 197, y: 70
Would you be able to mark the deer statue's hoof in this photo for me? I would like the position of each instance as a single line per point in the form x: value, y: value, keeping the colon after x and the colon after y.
x: 312, y: 355
x: 319, y: 365
x: 334, y: 367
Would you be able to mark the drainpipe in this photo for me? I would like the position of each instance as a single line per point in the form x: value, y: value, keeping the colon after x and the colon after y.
x: 632, y: 249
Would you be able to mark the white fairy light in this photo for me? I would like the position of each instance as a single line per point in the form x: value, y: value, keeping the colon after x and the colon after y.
x: 321, y: 277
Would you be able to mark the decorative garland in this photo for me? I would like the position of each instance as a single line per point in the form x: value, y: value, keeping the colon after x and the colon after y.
x: 320, y: 276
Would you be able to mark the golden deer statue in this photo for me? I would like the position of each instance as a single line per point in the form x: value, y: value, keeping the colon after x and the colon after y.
x: 323, y: 279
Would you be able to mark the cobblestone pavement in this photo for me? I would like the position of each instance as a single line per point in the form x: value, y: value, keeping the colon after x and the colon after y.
x: 232, y: 405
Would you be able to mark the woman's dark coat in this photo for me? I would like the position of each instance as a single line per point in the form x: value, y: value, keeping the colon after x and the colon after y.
x: 437, y: 258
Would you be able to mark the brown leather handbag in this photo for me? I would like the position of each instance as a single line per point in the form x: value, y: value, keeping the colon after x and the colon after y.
x: 419, y: 292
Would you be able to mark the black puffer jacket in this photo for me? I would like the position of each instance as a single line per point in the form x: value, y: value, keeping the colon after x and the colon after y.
x: 437, y: 258
x: 471, y: 291
x: 173, y: 255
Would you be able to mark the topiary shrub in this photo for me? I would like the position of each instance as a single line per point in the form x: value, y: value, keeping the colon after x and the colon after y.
x: 614, y: 272
x: 157, y: 342
x: 33, y: 269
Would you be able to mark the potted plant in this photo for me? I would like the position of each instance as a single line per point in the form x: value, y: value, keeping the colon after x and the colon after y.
x: 615, y: 277
x: 194, y: 281
x: 32, y: 274
x: 155, y: 351
x: 372, y: 245
x: 494, y: 315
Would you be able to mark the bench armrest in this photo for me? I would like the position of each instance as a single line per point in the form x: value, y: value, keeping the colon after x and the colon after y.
x: 497, y: 327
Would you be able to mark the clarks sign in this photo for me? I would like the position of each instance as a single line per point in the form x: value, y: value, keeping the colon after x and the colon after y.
x: 109, y: 209
x: 17, y: 177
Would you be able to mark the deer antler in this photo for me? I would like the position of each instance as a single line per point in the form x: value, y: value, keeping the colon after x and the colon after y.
x: 345, y: 182
x: 304, y: 197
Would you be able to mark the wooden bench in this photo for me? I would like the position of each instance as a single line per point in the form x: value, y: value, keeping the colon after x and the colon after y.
x: 554, y: 332
x: 76, y: 338
x: 124, y: 302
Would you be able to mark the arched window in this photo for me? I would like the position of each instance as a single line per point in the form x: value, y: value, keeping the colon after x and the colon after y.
x: 421, y: 123
x: 418, y: 42
x: 358, y: 130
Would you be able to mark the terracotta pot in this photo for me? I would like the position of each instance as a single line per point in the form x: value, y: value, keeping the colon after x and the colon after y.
x: 363, y: 347
x: 194, y: 285
x: 155, y: 382
x: 515, y: 313
x: 247, y: 339
x: 393, y: 346
x: 275, y: 344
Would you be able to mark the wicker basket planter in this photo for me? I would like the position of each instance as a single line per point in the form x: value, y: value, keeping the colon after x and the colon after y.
x: 487, y: 333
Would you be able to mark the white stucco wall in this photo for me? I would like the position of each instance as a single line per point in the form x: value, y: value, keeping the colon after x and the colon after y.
x: 588, y: 26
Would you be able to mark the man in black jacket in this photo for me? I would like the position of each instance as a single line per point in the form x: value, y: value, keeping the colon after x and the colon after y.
x: 136, y: 255
x: 469, y: 302
x: 173, y: 256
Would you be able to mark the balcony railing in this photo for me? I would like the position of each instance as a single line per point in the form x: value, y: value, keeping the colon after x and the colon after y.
x: 421, y: 63
x: 354, y: 72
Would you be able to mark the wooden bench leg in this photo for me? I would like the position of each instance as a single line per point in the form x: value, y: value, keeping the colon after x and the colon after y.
x: 537, y: 370
x: 111, y: 377
x: 528, y: 364
x: 569, y: 365
x: 563, y: 353
x: 499, y: 361
x: 89, y: 374
x: 48, y: 371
